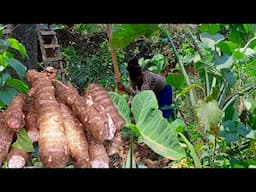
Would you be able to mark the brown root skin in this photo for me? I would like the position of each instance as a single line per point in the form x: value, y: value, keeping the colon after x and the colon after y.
x: 104, y: 101
x: 31, y: 122
x: 98, y: 124
x: 115, y: 144
x: 53, y: 148
x: 17, y: 158
x: 6, y: 138
x: 76, y: 138
x: 15, y: 118
x: 98, y: 154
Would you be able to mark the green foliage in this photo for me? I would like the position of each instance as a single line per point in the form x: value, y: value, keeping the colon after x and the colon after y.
x: 82, y: 70
x: 23, y: 141
x: 6, y: 94
x: 176, y: 80
x: 158, y: 63
x: 15, y: 44
x: 9, y: 86
x: 123, y: 34
x: 211, y: 28
x: 155, y: 130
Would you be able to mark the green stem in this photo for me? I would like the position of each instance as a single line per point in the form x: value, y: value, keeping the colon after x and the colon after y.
x: 131, y: 149
x: 192, y: 95
x: 213, y: 152
x: 192, y: 151
x: 207, y: 82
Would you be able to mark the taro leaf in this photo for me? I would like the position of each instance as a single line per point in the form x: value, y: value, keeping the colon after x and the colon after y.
x: 209, y: 114
x: 124, y: 34
x: 223, y: 61
x: 121, y: 105
x: 23, y: 141
x: 15, y: 44
x: 7, y: 94
x: 176, y: 80
x: 154, y: 129
x: 227, y: 47
x: 18, y: 85
x: 17, y: 66
x: 211, y: 40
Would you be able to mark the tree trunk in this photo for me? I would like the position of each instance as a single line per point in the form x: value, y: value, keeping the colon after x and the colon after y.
x: 26, y: 34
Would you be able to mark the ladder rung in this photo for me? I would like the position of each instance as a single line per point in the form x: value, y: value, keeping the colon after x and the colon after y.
x: 57, y: 58
x: 47, y: 32
x: 48, y: 46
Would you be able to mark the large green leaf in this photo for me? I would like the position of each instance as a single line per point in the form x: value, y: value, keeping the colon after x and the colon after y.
x: 17, y: 66
x: 15, y: 44
x: 154, y: 129
x: 209, y: 114
x: 176, y: 80
x: 121, y: 105
x: 7, y: 94
x: 23, y: 141
x: 124, y: 34
x: 18, y: 85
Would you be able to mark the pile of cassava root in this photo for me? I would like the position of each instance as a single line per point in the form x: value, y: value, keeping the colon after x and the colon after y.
x: 83, y: 130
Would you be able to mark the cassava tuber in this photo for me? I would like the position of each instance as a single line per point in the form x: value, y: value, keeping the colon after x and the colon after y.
x: 104, y: 101
x: 31, y: 122
x: 98, y: 124
x: 115, y: 144
x: 53, y: 148
x: 14, y: 116
x: 76, y: 138
x: 17, y: 158
x: 6, y: 137
x: 97, y: 153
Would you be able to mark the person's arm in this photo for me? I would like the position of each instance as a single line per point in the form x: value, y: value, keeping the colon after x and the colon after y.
x: 128, y: 90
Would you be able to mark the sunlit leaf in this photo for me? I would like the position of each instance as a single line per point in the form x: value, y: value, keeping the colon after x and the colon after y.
x: 23, y: 141
x: 154, y: 129
x: 124, y: 34
x: 18, y: 85
x: 15, y: 44
x: 176, y: 80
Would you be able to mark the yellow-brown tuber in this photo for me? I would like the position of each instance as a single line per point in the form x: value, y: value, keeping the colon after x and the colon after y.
x: 76, y: 138
x: 53, y: 148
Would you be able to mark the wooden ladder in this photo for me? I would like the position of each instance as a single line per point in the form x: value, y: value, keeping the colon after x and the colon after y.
x: 50, y: 49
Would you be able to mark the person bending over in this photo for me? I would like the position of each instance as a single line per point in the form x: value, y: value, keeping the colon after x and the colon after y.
x: 146, y: 80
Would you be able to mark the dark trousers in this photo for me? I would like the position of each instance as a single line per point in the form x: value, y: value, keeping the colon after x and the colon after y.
x: 165, y: 101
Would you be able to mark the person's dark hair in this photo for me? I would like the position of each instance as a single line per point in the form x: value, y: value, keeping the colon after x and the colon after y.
x: 134, y: 67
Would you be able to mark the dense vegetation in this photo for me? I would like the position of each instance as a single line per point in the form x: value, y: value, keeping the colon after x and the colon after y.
x: 211, y: 68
